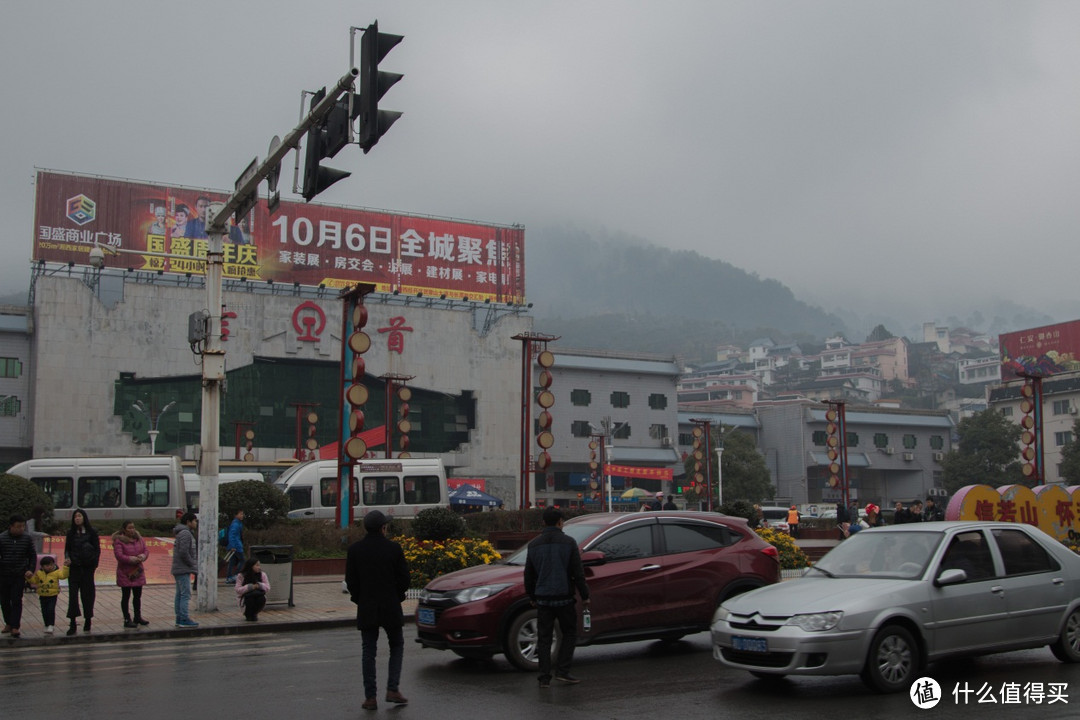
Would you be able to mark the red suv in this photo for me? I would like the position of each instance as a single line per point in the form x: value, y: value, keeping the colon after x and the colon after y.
x: 651, y: 575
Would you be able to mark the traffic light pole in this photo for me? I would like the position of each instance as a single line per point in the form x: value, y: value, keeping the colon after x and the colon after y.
x: 213, y: 358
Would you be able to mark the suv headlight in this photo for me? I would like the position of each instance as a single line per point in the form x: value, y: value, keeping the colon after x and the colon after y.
x: 477, y: 593
x: 816, y: 622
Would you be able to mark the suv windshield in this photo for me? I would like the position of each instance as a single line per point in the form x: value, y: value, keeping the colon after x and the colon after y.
x: 578, y: 531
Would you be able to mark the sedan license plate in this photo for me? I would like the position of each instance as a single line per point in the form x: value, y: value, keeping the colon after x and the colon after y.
x: 425, y: 616
x: 750, y: 644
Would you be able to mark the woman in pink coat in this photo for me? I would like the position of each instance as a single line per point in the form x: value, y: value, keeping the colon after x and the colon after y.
x: 131, y: 553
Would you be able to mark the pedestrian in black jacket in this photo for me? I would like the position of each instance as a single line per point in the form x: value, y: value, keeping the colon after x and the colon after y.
x: 377, y: 577
x: 83, y: 548
x: 18, y: 560
x: 552, y: 570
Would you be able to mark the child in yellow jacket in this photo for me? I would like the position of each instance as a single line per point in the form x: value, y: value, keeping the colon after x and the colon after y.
x: 47, y: 582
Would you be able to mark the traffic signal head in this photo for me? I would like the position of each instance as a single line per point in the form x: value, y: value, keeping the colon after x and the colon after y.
x: 324, y: 139
x: 374, y: 122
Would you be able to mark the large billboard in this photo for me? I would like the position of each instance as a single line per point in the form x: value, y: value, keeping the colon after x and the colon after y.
x: 1041, y: 351
x: 300, y: 243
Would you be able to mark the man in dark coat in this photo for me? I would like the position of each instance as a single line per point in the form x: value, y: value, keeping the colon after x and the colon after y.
x: 552, y: 570
x: 17, y: 565
x: 377, y: 577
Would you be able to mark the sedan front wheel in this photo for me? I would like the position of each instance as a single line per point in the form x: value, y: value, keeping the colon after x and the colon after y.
x: 1067, y: 647
x: 894, y: 660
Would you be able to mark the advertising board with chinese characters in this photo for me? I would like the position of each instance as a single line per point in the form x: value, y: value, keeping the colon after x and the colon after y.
x: 1052, y: 508
x: 336, y: 247
x: 1041, y: 351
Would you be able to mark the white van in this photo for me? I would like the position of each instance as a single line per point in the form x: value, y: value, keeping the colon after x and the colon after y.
x: 110, y: 488
x: 193, y: 485
x: 400, y: 487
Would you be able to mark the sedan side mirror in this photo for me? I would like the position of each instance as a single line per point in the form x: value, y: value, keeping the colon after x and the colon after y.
x: 952, y: 576
x: 593, y: 557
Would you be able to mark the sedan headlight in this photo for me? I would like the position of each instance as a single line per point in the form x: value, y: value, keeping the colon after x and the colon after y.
x: 721, y: 614
x: 816, y: 622
x: 477, y: 593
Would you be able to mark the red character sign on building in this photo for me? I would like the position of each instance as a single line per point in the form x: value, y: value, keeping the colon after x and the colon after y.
x: 395, y: 341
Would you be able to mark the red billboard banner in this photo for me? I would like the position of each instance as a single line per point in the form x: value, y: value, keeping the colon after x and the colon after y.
x: 1041, y: 351
x: 454, y: 483
x: 639, y: 472
x: 314, y: 245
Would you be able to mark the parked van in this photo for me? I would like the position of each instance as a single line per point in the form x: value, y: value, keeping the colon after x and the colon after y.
x: 400, y: 487
x: 192, y: 484
x: 110, y: 488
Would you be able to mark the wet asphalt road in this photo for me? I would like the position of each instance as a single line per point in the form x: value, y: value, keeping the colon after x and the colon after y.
x: 317, y: 675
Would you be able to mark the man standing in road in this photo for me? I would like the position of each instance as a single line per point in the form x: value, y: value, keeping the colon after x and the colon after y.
x: 552, y: 570
x: 17, y: 564
x: 377, y: 577
x: 185, y: 563
x: 932, y: 512
x: 235, y: 545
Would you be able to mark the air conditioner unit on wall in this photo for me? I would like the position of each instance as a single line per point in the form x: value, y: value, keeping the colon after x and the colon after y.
x: 889, y: 450
x: 938, y: 456
x: 909, y: 456
x: 665, y: 442
x: 1073, y: 409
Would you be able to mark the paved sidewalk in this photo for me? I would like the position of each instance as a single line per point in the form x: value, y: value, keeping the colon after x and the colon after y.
x: 318, y: 602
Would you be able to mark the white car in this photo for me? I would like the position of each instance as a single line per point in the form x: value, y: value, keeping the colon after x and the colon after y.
x: 888, y: 600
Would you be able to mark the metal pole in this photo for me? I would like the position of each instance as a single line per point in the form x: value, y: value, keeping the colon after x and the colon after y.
x: 213, y: 373
x: 719, y: 477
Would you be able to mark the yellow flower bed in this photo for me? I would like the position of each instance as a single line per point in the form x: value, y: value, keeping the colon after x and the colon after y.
x: 791, y: 555
x: 429, y: 559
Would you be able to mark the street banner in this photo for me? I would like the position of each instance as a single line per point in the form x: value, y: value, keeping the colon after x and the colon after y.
x: 631, y: 471
x: 1041, y: 351
x: 301, y: 243
x: 158, y: 565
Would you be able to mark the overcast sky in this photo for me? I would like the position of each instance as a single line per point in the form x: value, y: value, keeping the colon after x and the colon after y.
x: 871, y: 154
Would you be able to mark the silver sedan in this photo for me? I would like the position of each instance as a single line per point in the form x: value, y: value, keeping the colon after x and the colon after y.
x: 887, y: 601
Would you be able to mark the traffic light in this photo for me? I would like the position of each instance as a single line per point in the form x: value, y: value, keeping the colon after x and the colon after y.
x: 324, y: 139
x: 374, y: 83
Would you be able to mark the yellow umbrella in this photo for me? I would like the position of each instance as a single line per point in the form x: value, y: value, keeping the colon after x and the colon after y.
x: 634, y: 493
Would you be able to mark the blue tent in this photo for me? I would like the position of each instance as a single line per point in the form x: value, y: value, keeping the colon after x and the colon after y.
x: 468, y: 495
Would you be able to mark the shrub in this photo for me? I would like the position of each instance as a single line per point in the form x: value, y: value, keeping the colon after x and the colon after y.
x: 791, y: 555
x: 438, y: 524
x: 429, y: 559
x: 740, y: 508
x: 20, y: 496
x: 262, y: 503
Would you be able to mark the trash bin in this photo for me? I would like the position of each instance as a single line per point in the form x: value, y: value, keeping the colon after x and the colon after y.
x: 277, y: 563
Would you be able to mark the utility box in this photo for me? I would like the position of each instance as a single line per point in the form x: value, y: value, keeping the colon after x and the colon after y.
x: 277, y: 563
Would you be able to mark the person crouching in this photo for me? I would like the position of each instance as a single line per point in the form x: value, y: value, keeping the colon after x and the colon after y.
x: 251, y: 588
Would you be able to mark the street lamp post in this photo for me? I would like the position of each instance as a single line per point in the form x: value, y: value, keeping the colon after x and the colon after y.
x: 152, y: 421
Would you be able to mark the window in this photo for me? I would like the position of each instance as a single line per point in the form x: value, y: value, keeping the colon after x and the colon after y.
x: 881, y: 440
x: 1021, y: 554
x: 423, y: 489
x: 299, y: 498
x: 10, y: 406
x: 969, y: 553
x: 145, y: 492
x: 99, y: 492
x: 382, y: 491
x: 1063, y: 438
x: 581, y: 398
x: 328, y: 491
x: 1006, y: 411
x: 580, y: 428
x: 620, y: 399
x: 621, y: 431
x: 658, y: 401
x: 853, y: 439
x: 937, y: 442
x: 910, y: 442
x: 1061, y: 407
x: 691, y: 537
x: 818, y: 438
x: 58, y: 488
x: 657, y: 432
x: 10, y: 368
x: 686, y: 439
x: 628, y: 544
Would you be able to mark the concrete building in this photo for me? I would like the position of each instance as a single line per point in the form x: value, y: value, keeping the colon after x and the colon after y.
x: 16, y: 373
x: 1061, y: 408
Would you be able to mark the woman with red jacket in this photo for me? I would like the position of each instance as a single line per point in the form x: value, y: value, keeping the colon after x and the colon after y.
x: 131, y: 553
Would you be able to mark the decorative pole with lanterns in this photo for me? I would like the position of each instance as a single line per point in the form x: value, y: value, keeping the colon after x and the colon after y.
x: 702, y: 438
x: 534, y: 345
